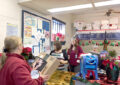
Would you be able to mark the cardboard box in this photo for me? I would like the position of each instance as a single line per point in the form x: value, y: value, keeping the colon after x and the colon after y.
x: 51, y: 66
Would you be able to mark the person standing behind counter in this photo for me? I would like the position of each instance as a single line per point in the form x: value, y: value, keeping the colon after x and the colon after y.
x: 14, y: 70
x: 60, y: 54
x: 74, y: 53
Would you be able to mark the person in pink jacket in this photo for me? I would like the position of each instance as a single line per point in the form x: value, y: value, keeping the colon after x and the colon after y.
x: 14, y: 70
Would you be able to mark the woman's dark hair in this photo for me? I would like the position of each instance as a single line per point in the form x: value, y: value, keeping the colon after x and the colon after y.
x: 58, y: 45
x: 76, y: 45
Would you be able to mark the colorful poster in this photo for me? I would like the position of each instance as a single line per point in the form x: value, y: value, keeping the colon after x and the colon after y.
x: 12, y: 30
x: 36, y: 30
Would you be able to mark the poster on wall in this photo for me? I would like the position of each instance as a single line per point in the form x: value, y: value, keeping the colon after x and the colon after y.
x: 12, y: 30
x: 36, y: 32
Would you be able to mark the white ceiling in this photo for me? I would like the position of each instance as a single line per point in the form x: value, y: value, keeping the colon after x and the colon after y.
x: 43, y: 5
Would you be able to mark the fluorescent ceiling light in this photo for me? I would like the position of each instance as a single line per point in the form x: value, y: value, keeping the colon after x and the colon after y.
x: 106, y: 3
x: 70, y: 8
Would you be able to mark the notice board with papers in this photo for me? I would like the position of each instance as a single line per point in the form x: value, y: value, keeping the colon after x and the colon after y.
x: 36, y: 32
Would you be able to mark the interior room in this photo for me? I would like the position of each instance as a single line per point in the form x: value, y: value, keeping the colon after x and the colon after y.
x: 59, y: 42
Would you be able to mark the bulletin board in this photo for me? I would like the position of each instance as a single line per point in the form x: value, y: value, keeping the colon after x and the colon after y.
x: 36, y: 32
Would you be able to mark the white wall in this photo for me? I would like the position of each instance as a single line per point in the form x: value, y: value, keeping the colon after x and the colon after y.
x: 88, y: 18
x: 11, y: 12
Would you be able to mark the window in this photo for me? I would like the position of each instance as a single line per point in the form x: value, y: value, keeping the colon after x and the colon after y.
x: 58, y: 30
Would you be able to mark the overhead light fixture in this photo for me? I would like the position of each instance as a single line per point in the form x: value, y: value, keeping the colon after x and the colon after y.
x: 106, y: 3
x: 70, y: 8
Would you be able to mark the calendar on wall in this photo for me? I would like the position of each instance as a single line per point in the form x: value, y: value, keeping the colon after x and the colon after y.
x: 36, y: 32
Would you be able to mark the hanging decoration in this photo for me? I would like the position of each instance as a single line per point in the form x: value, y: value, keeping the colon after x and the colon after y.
x: 83, y: 44
x: 89, y: 41
x: 101, y: 43
x: 97, y: 43
x: 110, y: 25
x: 112, y: 44
x: 108, y: 42
x: 80, y: 43
x: 93, y: 42
x: 116, y: 44
x: 86, y: 43
x: 119, y: 43
x: 105, y: 42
